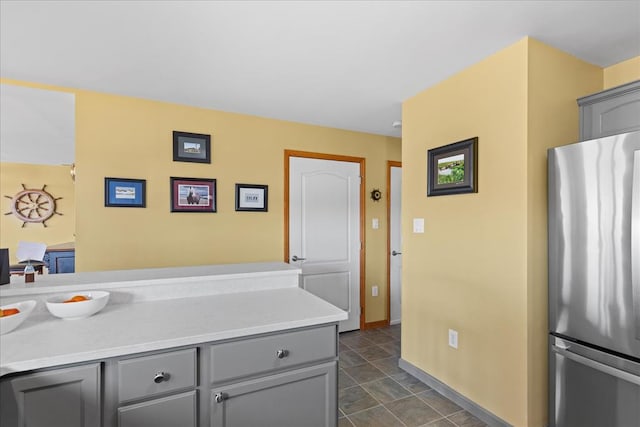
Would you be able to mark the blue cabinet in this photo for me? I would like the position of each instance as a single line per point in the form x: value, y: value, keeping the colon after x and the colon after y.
x: 61, y: 261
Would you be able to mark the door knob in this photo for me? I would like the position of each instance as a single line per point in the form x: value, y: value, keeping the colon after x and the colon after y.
x: 394, y: 253
x: 295, y: 258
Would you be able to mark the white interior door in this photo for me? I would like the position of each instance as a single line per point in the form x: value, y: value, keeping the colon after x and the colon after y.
x: 395, y: 240
x: 324, y: 231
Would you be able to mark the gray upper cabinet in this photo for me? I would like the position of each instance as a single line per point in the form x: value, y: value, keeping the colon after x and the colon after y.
x: 610, y: 112
x: 68, y: 397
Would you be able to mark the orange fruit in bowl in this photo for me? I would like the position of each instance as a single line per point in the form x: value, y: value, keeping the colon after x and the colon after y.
x: 8, y: 312
x: 77, y: 298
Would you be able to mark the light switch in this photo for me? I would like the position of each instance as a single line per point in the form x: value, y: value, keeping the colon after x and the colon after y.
x: 418, y: 225
x: 375, y: 223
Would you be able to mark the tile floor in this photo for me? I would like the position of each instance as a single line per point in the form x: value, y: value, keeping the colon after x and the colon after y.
x: 374, y: 392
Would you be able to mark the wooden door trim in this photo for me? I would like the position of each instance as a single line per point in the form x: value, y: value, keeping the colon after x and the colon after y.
x: 323, y: 156
x: 390, y: 164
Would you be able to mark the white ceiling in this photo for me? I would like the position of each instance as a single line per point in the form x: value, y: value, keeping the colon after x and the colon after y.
x: 346, y: 64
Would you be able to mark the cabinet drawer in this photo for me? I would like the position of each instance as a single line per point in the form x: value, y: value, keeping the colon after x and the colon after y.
x: 255, y: 356
x: 179, y: 410
x: 156, y: 374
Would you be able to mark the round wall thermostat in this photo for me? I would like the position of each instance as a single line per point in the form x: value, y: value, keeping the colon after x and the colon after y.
x: 376, y: 195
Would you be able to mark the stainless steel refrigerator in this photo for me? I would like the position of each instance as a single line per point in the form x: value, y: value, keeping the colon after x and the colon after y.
x: 594, y: 283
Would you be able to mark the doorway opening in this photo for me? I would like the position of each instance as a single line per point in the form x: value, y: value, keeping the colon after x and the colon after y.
x: 394, y: 241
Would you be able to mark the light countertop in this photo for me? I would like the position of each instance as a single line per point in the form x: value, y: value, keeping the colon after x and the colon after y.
x: 125, y: 328
x: 47, y: 283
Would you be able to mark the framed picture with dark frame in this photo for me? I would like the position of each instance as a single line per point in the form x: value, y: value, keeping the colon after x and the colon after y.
x: 193, y: 195
x: 252, y: 198
x: 191, y: 147
x: 125, y: 193
x: 453, y: 168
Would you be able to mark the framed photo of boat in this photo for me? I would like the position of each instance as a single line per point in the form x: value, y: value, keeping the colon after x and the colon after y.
x: 453, y: 168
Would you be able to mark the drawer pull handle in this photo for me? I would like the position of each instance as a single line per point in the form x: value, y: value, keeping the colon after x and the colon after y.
x: 220, y: 397
x: 281, y: 354
x: 160, y: 377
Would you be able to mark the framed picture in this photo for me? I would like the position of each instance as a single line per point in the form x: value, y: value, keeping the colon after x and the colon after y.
x: 125, y: 193
x: 191, y: 147
x: 453, y: 168
x: 193, y: 195
x: 252, y: 198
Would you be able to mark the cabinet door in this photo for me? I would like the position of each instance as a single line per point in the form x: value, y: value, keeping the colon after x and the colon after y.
x: 67, y: 397
x: 66, y: 263
x: 304, y: 397
x: 61, y: 262
x: 174, y: 411
x: 610, y: 112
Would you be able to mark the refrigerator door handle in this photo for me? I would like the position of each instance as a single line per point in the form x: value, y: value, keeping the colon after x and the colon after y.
x: 635, y: 239
x: 609, y: 370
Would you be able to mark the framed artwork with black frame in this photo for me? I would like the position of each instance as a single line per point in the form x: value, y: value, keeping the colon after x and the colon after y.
x: 193, y: 195
x: 125, y: 192
x: 453, y: 168
x: 191, y: 147
x: 252, y: 198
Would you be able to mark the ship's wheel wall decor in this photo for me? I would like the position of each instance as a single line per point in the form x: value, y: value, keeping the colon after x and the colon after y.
x: 32, y: 205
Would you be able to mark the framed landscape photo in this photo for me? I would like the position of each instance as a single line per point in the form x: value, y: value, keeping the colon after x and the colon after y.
x: 193, y: 195
x: 453, y: 168
x: 191, y: 147
x: 252, y: 197
x: 125, y: 193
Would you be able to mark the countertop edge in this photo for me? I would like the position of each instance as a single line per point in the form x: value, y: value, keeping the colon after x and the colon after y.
x: 96, y: 356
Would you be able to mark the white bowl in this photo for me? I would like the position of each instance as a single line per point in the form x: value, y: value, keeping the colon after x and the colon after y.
x: 9, y: 323
x: 77, y: 310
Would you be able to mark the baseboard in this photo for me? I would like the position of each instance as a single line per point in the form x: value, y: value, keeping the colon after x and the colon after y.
x: 472, y: 407
x: 395, y: 322
x: 378, y: 324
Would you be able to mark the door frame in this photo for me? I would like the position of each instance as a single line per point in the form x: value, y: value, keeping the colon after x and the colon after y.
x: 390, y: 164
x: 322, y: 156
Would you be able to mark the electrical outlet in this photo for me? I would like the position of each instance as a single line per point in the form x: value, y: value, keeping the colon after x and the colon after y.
x: 374, y: 291
x: 375, y: 223
x: 453, y: 338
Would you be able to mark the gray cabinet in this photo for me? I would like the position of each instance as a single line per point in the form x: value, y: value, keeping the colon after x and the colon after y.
x: 156, y: 374
x: 248, y: 357
x: 611, y: 112
x: 302, y: 397
x: 69, y: 397
x: 172, y: 411
x: 142, y: 379
x: 286, y: 378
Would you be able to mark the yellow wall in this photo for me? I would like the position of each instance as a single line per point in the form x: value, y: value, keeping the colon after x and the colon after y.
x: 475, y: 268
x: 60, y: 228
x: 555, y: 81
x: 125, y: 137
x: 622, y: 72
